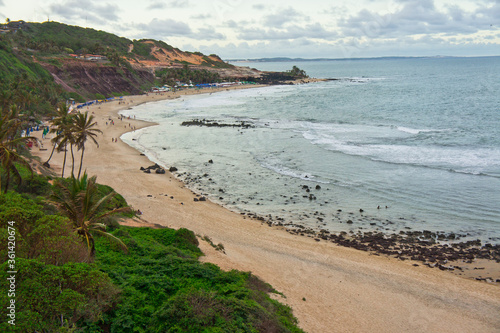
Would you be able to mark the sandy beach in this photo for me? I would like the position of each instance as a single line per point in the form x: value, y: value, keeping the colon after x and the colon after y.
x: 329, y: 287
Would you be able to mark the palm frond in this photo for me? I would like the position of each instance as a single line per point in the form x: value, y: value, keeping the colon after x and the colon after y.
x: 113, y: 238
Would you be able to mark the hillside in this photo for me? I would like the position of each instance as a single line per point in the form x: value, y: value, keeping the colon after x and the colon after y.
x: 61, y: 61
x: 90, y: 63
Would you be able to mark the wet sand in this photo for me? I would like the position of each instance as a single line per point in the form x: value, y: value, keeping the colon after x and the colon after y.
x: 330, y: 288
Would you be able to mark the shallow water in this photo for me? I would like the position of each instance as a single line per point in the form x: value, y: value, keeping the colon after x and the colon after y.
x: 420, y: 136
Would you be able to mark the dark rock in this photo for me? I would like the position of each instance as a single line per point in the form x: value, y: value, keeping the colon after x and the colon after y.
x: 210, y: 161
x: 147, y: 171
x: 318, y: 187
x: 173, y: 169
x: 160, y: 171
x: 142, y: 169
x: 202, y: 199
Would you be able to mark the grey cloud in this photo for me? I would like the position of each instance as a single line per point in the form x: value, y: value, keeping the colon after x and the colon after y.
x: 155, y: 5
x: 85, y: 9
x: 259, y: 6
x: 414, y: 18
x: 280, y: 18
x: 208, y: 33
x: 162, y: 29
x: 178, y: 3
x: 292, y: 32
x: 201, y: 17
x: 231, y: 24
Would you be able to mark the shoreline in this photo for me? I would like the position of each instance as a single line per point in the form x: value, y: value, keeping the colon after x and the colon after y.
x: 328, y: 286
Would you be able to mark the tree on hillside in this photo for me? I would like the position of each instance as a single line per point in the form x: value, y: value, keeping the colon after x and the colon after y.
x: 83, y: 130
x: 10, y: 142
x: 81, y: 202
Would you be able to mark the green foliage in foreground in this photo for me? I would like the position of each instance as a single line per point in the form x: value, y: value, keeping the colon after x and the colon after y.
x: 50, y: 298
x: 166, y: 289
x: 159, y: 286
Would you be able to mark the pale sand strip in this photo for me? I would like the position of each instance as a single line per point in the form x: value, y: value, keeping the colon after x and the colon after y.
x: 345, y: 290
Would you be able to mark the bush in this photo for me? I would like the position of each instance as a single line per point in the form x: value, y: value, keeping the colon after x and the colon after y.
x: 54, y: 242
x: 47, y: 295
x: 165, y: 289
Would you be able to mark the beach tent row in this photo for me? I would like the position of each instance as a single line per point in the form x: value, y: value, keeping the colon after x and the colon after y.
x: 96, y: 101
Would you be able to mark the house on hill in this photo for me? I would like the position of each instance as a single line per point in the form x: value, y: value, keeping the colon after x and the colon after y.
x: 15, y: 25
x: 89, y: 57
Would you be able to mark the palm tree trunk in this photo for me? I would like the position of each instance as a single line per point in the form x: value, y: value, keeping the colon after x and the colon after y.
x: 81, y: 162
x: 52, y: 153
x: 7, y: 180
x: 72, y: 161
x: 64, y: 163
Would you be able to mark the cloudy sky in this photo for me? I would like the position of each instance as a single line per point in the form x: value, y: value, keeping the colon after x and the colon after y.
x: 292, y: 28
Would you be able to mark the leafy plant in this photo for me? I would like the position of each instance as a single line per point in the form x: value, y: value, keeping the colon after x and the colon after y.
x: 81, y: 203
x: 166, y: 289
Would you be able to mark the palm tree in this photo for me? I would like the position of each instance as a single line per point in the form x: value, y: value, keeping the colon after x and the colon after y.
x: 83, y: 130
x: 81, y: 202
x: 58, y: 123
x: 66, y: 137
x: 10, y: 140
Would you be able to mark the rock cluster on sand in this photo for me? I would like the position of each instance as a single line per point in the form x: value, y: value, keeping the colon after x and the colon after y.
x: 158, y: 169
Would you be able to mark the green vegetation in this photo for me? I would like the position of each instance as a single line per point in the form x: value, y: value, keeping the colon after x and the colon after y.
x: 171, y: 75
x: 297, y: 72
x: 82, y: 203
x: 56, y: 38
x: 165, y: 288
x: 11, y: 144
x: 24, y: 83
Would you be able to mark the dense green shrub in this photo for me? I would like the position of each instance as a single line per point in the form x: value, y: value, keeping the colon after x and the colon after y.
x: 166, y: 289
x: 48, y: 296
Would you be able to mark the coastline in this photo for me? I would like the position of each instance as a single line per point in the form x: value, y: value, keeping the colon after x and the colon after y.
x: 329, y: 287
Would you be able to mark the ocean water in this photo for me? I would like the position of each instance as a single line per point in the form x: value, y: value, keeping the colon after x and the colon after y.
x: 389, y: 145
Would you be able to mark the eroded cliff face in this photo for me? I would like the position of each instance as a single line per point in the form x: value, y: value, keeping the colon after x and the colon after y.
x: 89, y: 78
